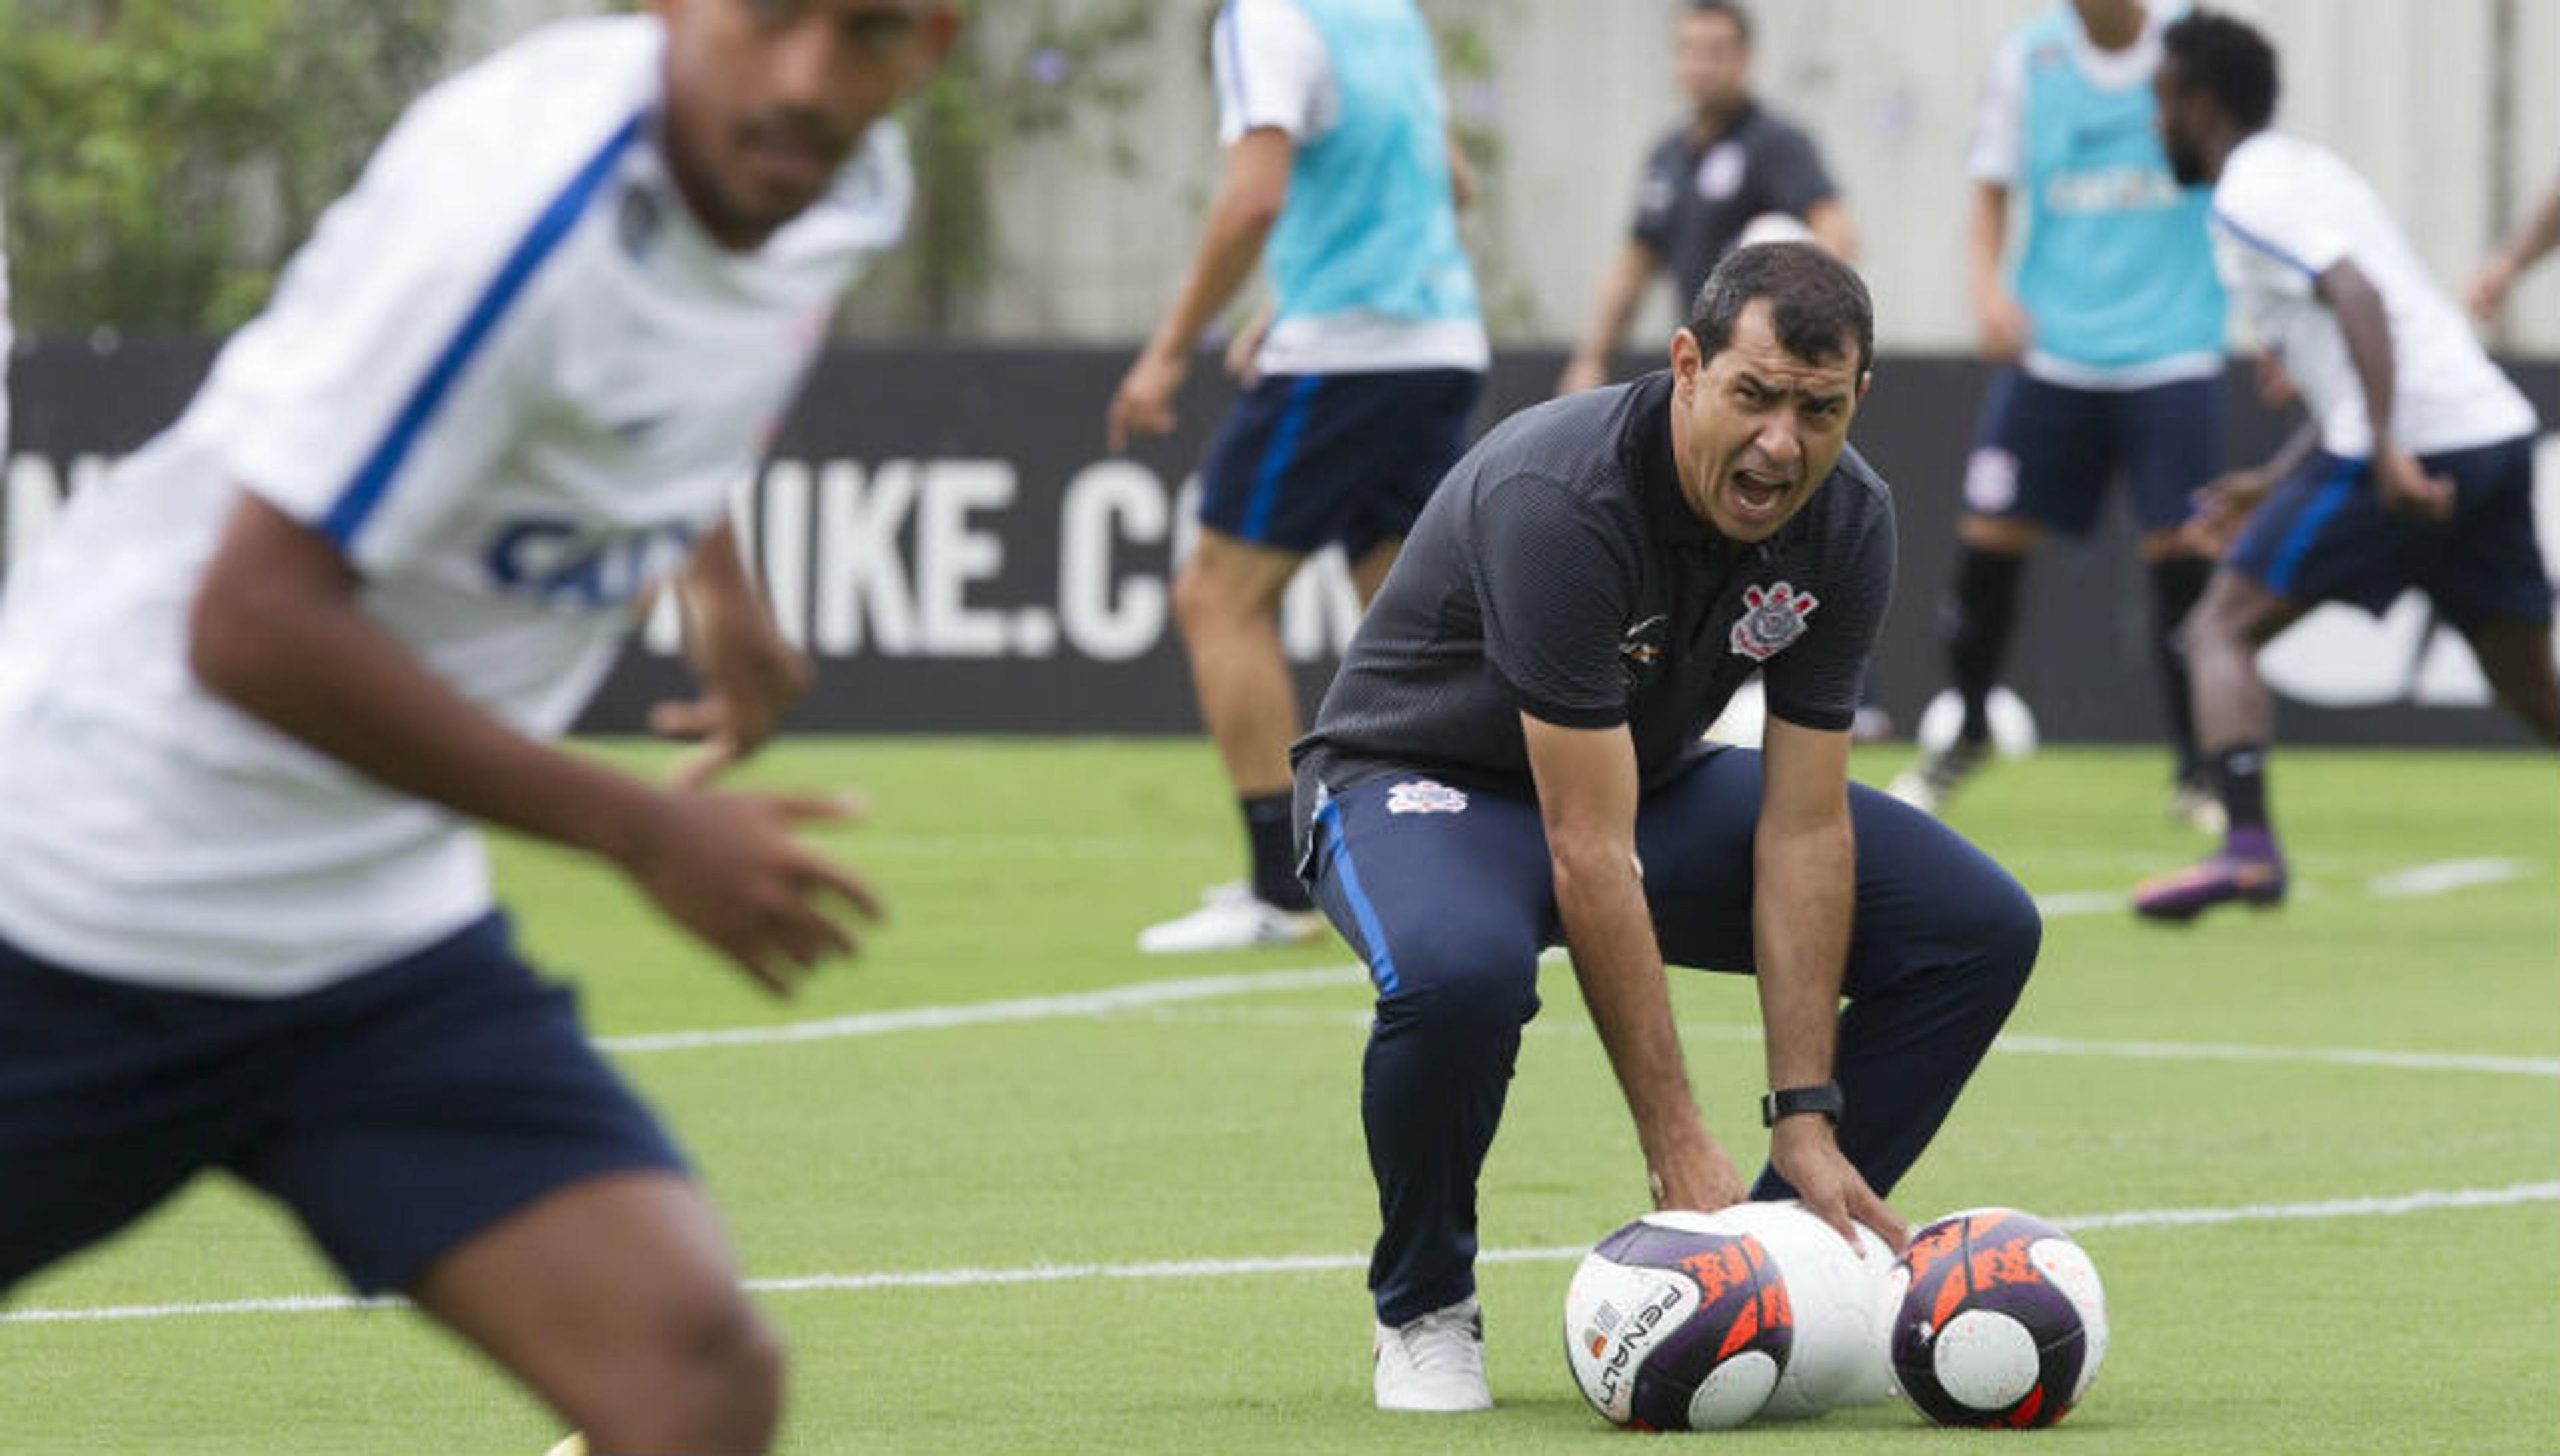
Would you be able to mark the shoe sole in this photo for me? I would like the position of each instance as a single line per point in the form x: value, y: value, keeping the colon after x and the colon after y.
x: 2256, y: 899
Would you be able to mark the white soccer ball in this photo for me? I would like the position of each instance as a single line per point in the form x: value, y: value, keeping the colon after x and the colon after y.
x: 1745, y: 717
x: 1999, y: 1320
x: 1674, y: 1323
x: 2013, y: 726
x: 1839, y: 1298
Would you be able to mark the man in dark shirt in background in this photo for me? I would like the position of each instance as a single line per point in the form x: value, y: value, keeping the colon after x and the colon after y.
x: 1511, y: 758
x: 1708, y: 178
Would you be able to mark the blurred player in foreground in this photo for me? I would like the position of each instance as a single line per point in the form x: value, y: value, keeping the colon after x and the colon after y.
x: 257, y: 686
x: 1341, y: 176
x: 2423, y: 474
x: 1731, y: 166
x: 2110, y: 334
x: 1511, y: 758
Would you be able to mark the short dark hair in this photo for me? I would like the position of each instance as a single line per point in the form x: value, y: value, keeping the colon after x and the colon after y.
x: 1815, y: 300
x: 2229, y: 60
x: 1740, y: 17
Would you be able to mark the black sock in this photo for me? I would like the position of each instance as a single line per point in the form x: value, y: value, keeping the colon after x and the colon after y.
x: 2240, y: 781
x: 1981, y: 607
x: 2177, y: 585
x: 1275, y: 859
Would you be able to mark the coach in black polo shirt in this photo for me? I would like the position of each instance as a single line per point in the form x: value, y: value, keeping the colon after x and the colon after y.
x: 1732, y: 163
x: 1511, y: 757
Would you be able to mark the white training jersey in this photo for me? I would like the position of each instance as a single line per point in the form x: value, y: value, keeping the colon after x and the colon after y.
x: 514, y: 380
x: 2285, y: 212
x: 1272, y: 70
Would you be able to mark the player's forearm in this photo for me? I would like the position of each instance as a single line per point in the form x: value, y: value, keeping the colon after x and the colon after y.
x: 317, y: 669
x: 1805, y: 881
x: 1230, y: 248
x: 1601, y: 902
x: 1986, y: 241
x: 2291, y: 454
x: 1832, y: 228
x: 723, y: 610
x: 1620, y: 289
x: 2366, y: 325
x: 2538, y: 234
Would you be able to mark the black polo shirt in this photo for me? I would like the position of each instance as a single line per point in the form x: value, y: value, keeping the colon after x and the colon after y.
x: 1699, y: 195
x: 1558, y: 570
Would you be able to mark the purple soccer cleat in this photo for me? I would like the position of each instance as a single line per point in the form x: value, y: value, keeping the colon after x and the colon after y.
x: 2250, y: 874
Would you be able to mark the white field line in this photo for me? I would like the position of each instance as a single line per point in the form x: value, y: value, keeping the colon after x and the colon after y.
x: 1103, y: 1002
x: 2443, y: 877
x: 2015, y: 1043
x: 1176, y: 1270
x: 1157, y: 1000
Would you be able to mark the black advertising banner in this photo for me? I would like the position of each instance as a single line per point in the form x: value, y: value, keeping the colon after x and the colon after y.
x: 944, y: 531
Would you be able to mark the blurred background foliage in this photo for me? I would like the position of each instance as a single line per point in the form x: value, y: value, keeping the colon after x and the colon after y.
x: 162, y: 157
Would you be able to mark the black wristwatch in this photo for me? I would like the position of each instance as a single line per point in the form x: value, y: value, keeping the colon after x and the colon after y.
x: 1788, y: 1102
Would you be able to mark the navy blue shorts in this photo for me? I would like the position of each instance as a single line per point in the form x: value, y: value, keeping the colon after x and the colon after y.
x: 1310, y: 460
x: 2322, y: 536
x: 2046, y: 452
x: 398, y: 1112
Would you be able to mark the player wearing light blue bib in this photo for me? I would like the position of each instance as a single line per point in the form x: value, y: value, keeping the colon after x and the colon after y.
x: 1341, y: 178
x: 2110, y: 323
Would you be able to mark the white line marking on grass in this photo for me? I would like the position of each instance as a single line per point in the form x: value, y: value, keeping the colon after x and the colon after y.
x: 1110, y: 999
x: 2068, y: 903
x: 2430, y: 1200
x: 2330, y: 1056
x: 2372, y: 1208
x: 2443, y: 877
x: 2024, y: 1045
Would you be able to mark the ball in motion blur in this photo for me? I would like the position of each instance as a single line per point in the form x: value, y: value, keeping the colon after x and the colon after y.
x: 1999, y: 1320
x: 1672, y: 1323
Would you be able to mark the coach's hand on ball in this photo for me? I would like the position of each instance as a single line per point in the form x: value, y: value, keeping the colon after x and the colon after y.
x: 728, y: 868
x: 1806, y: 1154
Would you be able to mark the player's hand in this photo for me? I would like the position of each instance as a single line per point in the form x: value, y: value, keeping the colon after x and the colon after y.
x: 2006, y: 330
x: 2222, y: 506
x: 2487, y: 293
x: 729, y: 869
x: 1805, y: 1153
x: 1581, y: 373
x: 1246, y: 347
x: 1703, y: 1180
x: 2407, y: 490
x: 751, y: 676
x: 2275, y: 387
x: 1144, y: 402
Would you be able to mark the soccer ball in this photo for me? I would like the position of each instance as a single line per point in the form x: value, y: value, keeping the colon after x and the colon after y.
x: 1838, y: 1297
x: 1999, y: 1320
x: 1675, y: 1323
x: 2013, y: 726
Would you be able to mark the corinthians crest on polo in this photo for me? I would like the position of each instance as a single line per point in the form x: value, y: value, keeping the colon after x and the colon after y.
x: 1772, y: 617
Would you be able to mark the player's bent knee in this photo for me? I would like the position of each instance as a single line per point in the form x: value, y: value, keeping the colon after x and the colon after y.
x: 1447, y: 998
x: 716, y: 1366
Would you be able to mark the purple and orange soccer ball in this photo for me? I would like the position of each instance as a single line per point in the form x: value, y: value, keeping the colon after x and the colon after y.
x: 1676, y: 1324
x: 1999, y: 1321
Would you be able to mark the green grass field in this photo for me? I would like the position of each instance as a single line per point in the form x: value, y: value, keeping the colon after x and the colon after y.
x: 2214, y: 1068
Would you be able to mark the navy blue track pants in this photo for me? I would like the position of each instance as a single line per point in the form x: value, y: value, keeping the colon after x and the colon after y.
x: 1450, y: 905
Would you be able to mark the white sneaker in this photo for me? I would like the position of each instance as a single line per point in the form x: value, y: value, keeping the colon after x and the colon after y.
x: 1931, y: 780
x: 1435, y: 1363
x: 1230, y: 917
